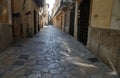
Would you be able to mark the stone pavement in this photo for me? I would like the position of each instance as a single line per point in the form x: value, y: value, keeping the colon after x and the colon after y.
x: 51, y: 54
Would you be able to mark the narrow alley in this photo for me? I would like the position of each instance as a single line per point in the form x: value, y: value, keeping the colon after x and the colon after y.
x: 51, y: 53
x: 59, y: 38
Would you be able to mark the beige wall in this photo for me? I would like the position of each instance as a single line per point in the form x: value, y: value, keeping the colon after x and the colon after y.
x: 101, y: 13
x: 17, y: 5
x: 26, y: 18
x: 115, y: 21
x: 36, y: 8
x: 5, y: 24
x: 45, y: 16
x: 104, y: 34
x: 58, y: 19
x: 5, y: 12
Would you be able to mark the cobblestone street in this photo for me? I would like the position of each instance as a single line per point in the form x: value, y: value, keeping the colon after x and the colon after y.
x: 51, y: 53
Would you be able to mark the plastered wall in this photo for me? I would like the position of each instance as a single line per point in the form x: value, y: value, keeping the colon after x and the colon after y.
x: 115, y: 20
x: 24, y: 23
x: 5, y: 24
x: 101, y: 13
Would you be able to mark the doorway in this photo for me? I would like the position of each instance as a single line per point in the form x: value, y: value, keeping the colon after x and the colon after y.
x: 34, y: 22
x: 72, y: 19
x: 38, y: 22
x: 83, y: 21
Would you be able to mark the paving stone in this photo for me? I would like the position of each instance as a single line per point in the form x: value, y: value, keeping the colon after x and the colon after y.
x: 67, y: 74
x: 1, y: 74
x: 45, y: 69
x: 96, y: 76
x: 54, y: 65
x: 37, y: 67
x: 64, y: 64
x: 52, y: 54
x: 75, y: 77
x: 2, y: 70
x: 59, y: 76
x: 75, y: 72
x: 44, y: 62
x: 34, y: 76
x: 35, y: 72
x: 7, y: 76
x: 27, y: 72
x: 57, y: 71
x: 20, y: 72
x: 24, y: 56
x: 47, y: 75
x: 9, y: 73
x: 16, y: 68
x: 7, y: 60
x: 19, y: 63
x: 31, y: 62
x: 22, y: 76
x: 49, y: 59
x: 18, y: 45
x: 68, y: 68
x: 32, y: 57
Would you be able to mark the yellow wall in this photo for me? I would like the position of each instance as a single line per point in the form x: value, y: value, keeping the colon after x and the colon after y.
x: 101, y: 13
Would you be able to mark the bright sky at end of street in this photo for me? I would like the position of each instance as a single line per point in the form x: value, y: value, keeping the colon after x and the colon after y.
x: 51, y: 4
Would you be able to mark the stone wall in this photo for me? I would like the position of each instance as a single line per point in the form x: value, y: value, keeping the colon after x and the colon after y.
x: 5, y: 36
x: 106, y: 45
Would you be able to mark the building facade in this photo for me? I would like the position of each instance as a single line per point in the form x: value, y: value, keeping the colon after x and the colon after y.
x: 64, y: 15
x: 26, y: 18
x: 5, y: 24
x: 19, y: 19
x: 104, y: 31
x: 45, y: 14
x: 95, y: 24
